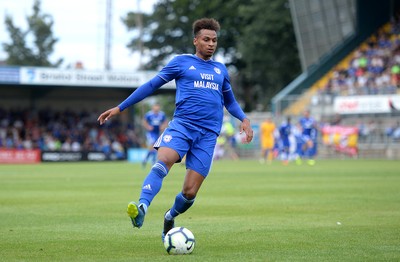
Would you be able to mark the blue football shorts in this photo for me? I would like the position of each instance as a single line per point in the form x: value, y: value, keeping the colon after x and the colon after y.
x: 151, y: 138
x: 306, y: 138
x: 196, y: 143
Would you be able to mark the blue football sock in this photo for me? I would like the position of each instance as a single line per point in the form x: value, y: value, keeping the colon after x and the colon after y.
x: 309, y: 153
x: 152, y: 183
x: 146, y: 159
x: 181, y: 205
x: 153, y: 156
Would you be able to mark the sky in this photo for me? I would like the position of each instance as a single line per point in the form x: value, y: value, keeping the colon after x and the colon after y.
x: 80, y: 27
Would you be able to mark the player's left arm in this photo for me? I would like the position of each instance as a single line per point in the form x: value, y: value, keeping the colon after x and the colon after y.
x: 234, y: 109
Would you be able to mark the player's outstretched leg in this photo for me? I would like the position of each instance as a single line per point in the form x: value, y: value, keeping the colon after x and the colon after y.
x: 168, y: 225
x: 136, y: 213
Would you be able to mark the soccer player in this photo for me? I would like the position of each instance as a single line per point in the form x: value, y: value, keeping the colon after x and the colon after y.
x: 203, y: 89
x: 267, y: 130
x: 154, y: 122
x: 312, y: 151
x: 228, y: 132
x: 299, y: 143
x: 285, y: 131
x: 309, y: 135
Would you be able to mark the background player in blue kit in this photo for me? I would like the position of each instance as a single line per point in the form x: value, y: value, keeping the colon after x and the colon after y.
x: 154, y: 122
x: 309, y: 136
x: 203, y: 89
x: 285, y: 130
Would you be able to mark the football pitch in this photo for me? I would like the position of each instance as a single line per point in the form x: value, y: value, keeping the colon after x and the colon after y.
x: 337, y: 210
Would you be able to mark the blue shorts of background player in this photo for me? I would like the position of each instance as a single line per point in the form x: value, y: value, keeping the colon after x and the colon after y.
x: 309, y: 149
x: 286, y: 143
x: 151, y: 138
x: 151, y: 155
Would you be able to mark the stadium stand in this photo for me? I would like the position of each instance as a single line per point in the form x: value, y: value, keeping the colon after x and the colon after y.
x: 54, y: 130
x: 355, y: 84
x: 372, y: 68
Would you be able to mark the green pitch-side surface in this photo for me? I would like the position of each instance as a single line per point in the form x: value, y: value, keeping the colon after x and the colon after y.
x: 333, y: 211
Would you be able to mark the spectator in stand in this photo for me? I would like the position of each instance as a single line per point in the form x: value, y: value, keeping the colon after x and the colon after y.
x: 118, y: 149
x: 396, y: 132
x: 66, y: 146
x: 395, y: 70
x: 76, y: 146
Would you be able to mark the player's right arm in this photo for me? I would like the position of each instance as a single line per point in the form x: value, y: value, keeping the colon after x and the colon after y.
x: 138, y: 95
x: 145, y: 123
x: 169, y: 72
x: 142, y: 92
x: 108, y: 114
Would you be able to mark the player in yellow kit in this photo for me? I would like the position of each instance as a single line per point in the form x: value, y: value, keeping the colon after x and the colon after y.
x: 267, y: 139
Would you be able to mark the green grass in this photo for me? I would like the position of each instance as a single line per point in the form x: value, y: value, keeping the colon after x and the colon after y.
x: 244, y: 212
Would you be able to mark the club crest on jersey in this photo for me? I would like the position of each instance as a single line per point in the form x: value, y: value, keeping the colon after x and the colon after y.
x: 167, y: 138
x: 217, y: 70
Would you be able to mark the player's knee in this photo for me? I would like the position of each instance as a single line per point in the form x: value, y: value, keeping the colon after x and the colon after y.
x: 189, y: 193
x: 169, y: 163
x: 168, y: 156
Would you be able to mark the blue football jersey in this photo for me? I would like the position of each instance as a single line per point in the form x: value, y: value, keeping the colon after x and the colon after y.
x: 155, y: 120
x: 284, y: 132
x: 199, y: 90
x: 307, y: 124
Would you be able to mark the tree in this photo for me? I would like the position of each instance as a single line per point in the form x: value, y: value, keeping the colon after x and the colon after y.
x: 42, y: 46
x: 167, y: 30
x: 256, y: 40
x: 268, y: 48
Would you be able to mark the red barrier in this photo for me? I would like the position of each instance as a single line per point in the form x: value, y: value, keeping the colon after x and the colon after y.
x: 23, y: 156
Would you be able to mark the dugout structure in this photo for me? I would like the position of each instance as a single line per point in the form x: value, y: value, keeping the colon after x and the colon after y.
x: 30, y: 91
x: 59, y: 89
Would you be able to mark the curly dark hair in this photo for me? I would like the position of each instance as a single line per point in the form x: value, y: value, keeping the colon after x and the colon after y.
x: 205, y: 23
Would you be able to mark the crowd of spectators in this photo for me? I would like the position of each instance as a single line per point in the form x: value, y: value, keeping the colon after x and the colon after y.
x: 373, y: 69
x: 66, y: 130
x: 375, y: 131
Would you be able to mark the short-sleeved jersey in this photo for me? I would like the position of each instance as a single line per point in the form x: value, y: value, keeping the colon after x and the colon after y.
x: 284, y: 131
x: 314, y: 134
x: 307, y: 124
x: 155, y: 119
x: 199, y: 90
x: 267, y: 134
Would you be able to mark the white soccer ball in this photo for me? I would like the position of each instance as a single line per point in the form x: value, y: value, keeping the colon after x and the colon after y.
x: 179, y: 241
